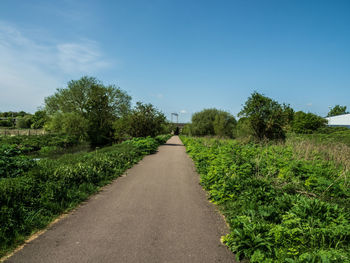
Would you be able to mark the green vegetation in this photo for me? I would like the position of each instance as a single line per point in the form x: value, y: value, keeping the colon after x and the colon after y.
x: 307, y: 123
x: 211, y: 122
x: 265, y: 117
x: 143, y: 120
x: 337, y: 110
x: 87, y: 108
x: 33, y: 193
x: 34, y: 143
x: 284, y: 202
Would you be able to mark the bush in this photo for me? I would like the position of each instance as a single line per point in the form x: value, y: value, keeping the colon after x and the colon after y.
x: 307, y: 123
x: 280, y: 208
x: 24, y: 122
x: 212, y: 122
x: 144, y: 120
x: 266, y: 117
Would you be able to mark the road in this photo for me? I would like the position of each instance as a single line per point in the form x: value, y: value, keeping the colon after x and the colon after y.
x: 157, y: 212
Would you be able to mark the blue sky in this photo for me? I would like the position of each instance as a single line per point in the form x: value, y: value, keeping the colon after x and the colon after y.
x: 180, y: 55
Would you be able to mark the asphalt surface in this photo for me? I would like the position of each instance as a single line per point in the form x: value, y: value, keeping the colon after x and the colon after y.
x: 158, y: 212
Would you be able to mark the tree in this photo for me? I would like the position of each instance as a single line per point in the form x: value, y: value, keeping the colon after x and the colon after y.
x: 307, y: 123
x: 70, y: 123
x: 144, y: 120
x: 39, y: 119
x: 97, y: 105
x: 337, y: 110
x: 224, y: 124
x: 265, y: 117
x: 24, y: 122
x: 212, y: 122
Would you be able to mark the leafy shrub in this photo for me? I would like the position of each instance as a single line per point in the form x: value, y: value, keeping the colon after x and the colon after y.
x: 280, y: 208
x: 307, y: 123
x: 212, y: 122
x: 265, y: 116
x: 36, y: 142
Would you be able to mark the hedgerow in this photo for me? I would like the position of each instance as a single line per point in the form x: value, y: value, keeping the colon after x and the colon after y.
x: 31, y: 197
x: 280, y: 208
x: 36, y: 142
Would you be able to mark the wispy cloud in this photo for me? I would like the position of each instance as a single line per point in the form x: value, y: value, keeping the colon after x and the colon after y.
x: 82, y: 57
x: 183, y: 111
x: 31, y: 69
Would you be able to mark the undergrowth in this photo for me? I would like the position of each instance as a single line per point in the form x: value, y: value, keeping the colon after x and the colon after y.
x: 281, y: 207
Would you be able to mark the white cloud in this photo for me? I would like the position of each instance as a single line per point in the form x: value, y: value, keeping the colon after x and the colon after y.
x: 183, y: 111
x: 309, y: 104
x: 82, y: 57
x: 31, y: 70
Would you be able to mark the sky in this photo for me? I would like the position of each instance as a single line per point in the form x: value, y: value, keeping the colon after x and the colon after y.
x: 180, y: 55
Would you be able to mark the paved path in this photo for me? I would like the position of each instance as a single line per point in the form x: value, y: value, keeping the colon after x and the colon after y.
x: 156, y: 213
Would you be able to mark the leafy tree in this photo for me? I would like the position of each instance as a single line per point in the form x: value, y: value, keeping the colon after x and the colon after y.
x: 224, y: 124
x: 70, y: 123
x: 98, y: 105
x: 288, y: 116
x: 24, y: 122
x: 6, y: 123
x: 186, y: 130
x: 307, y: 123
x: 265, y: 117
x: 144, y: 120
x: 212, y: 122
x: 39, y: 118
x: 337, y: 110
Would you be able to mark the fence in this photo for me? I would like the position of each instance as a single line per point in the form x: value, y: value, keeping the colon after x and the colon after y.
x: 13, y: 132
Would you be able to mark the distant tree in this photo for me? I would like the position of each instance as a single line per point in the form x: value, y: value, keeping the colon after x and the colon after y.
x: 97, y: 105
x: 243, y: 128
x: 288, y: 116
x: 265, y: 117
x: 186, y: 130
x: 224, y: 124
x: 39, y: 119
x: 24, y: 122
x: 307, y: 123
x: 212, y: 122
x: 337, y: 110
x: 144, y: 120
x: 6, y: 123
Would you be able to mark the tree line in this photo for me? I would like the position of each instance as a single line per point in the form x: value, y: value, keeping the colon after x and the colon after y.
x: 261, y: 118
x: 94, y: 112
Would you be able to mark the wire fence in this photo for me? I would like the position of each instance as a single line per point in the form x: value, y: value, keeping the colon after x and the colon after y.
x: 27, y: 132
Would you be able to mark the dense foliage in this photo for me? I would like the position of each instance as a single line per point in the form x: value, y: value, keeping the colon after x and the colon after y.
x: 23, y: 120
x: 265, y: 116
x: 32, y: 194
x: 88, y: 105
x: 34, y: 143
x: 337, y: 110
x: 143, y: 120
x: 280, y: 205
x: 211, y: 122
x: 307, y: 123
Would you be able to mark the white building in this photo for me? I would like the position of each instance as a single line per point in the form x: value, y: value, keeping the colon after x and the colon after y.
x: 340, y: 120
